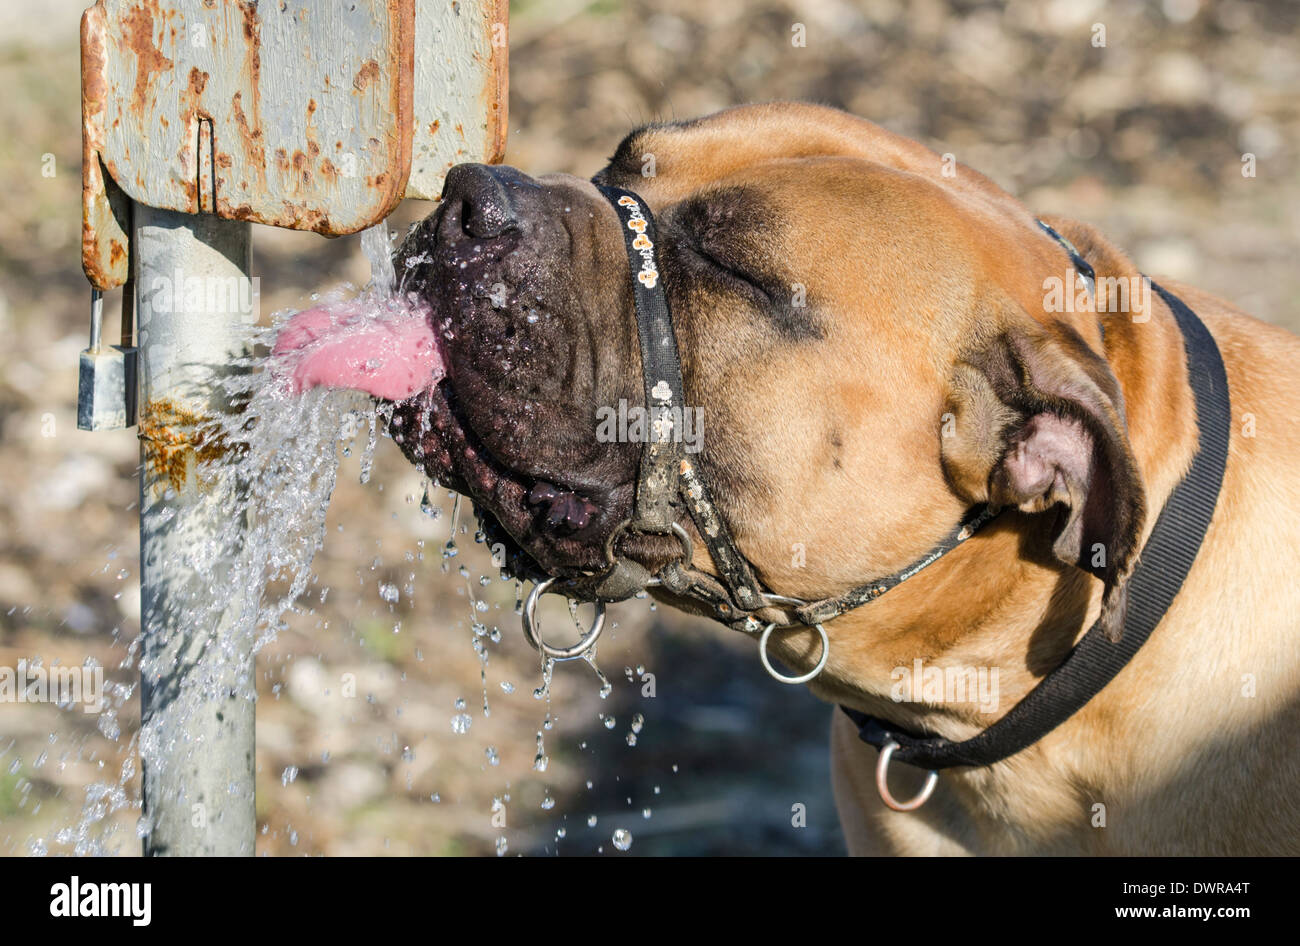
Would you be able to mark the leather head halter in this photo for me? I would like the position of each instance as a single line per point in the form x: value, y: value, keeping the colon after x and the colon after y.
x: 669, y: 483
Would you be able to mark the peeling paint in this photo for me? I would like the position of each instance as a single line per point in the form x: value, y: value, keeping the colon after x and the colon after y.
x: 138, y: 33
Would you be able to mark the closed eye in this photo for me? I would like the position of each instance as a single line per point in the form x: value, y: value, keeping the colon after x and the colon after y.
x: 733, y: 274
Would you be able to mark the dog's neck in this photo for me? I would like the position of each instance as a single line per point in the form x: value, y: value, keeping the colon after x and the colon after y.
x: 952, y: 650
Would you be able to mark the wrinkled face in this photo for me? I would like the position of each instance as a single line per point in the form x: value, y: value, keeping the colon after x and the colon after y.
x: 812, y: 327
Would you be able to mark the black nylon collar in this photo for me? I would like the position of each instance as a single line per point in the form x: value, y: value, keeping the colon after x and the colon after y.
x: 1162, y: 568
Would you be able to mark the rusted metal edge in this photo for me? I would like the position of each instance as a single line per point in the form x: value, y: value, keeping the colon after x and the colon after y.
x: 495, y: 146
x: 105, y: 246
x: 405, y: 56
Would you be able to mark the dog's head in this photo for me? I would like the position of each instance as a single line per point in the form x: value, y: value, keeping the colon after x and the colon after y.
x: 865, y: 344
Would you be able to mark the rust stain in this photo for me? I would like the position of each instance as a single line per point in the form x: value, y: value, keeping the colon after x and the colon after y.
x: 303, y: 175
x: 433, y: 126
x: 252, y: 133
x: 178, y: 441
x: 497, y: 89
x: 251, y: 137
x: 368, y: 73
x: 313, y: 146
x: 192, y: 111
x: 105, y: 269
x: 137, y: 27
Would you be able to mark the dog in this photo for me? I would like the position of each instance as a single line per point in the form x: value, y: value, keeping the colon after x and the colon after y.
x: 879, y: 340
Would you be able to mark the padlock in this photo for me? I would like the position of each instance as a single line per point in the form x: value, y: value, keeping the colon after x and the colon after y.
x: 106, y: 389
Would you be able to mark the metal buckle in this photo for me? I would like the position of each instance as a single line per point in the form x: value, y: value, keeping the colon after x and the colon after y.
x: 559, y: 653
x: 803, y: 678
x: 882, y: 782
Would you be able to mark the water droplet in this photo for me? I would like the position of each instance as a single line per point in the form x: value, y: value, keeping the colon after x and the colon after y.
x: 492, y: 756
x: 548, y: 803
x: 591, y: 821
x: 502, y: 846
x: 427, y: 506
x: 460, y: 723
x: 288, y: 775
x: 622, y: 839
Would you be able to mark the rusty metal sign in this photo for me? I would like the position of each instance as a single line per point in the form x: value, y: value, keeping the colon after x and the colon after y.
x: 292, y: 113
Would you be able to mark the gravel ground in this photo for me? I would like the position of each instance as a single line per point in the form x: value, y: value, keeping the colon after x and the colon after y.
x: 1143, y: 137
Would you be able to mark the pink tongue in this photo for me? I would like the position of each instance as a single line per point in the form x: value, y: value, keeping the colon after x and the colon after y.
x: 392, y: 356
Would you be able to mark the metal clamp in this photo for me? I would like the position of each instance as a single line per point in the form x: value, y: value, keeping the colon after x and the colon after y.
x: 531, y: 629
x: 882, y: 782
x: 803, y: 678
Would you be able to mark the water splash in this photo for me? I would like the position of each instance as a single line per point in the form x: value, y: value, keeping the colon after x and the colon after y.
x: 266, y: 463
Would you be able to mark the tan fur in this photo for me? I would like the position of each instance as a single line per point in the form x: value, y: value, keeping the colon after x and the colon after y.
x: 834, y: 444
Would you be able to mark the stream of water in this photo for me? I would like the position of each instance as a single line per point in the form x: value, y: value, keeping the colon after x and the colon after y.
x: 272, y: 481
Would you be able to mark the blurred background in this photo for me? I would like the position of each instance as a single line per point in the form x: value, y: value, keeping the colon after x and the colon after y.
x: 1144, y: 137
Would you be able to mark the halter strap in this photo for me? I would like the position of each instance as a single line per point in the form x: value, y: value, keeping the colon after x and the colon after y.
x: 668, y: 480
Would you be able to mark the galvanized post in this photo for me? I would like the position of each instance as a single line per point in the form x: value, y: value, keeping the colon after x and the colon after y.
x: 197, y: 707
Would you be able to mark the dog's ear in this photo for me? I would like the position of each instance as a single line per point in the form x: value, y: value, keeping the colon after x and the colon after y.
x: 1037, y: 422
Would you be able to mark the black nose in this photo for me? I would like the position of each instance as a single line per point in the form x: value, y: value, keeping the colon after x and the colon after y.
x: 485, y: 197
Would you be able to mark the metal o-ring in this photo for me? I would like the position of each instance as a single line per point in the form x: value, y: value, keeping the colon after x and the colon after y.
x: 882, y: 782
x: 559, y: 653
x: 803, y: 678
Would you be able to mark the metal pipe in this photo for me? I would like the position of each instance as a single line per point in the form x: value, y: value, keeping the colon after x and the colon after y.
x: 197, y: 721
